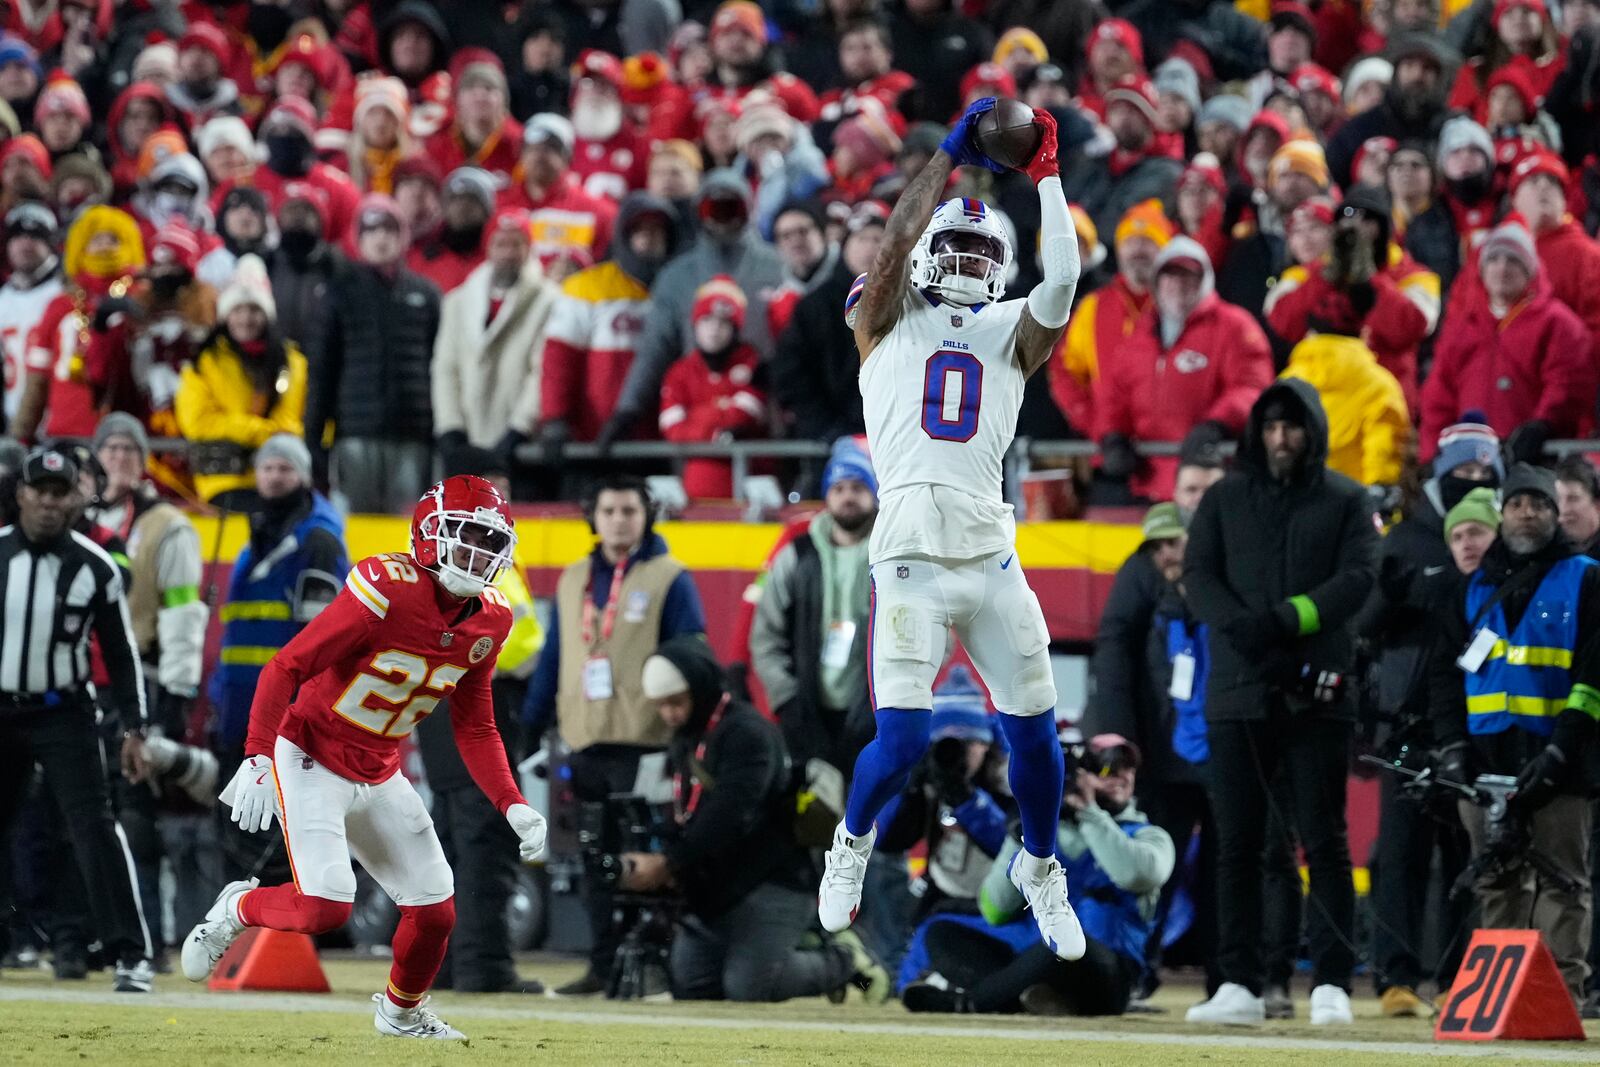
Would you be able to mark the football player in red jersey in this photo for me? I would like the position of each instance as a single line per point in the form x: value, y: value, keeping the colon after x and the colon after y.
x: 406, y: 632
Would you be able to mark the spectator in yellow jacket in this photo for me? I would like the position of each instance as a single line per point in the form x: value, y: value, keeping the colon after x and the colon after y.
x: 1368, y: 425
x: 247, y: 384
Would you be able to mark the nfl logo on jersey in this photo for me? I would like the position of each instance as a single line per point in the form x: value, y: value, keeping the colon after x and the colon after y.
x: 902, y: 572
x: 955, y: 320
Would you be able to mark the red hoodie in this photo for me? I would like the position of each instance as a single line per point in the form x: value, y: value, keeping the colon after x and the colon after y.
x: 125, y: 163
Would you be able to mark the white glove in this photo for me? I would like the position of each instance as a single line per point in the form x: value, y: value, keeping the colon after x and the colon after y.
x: 254, y: 794
x: 530, y: 830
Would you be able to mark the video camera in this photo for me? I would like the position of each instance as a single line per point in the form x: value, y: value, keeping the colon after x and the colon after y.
x: 618, y: 824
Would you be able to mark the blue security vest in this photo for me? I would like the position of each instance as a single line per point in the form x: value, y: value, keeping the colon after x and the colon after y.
x: 258, y: 618
x: 1109, y: 914
x: 1527, y: 678
x: 1189, y: 739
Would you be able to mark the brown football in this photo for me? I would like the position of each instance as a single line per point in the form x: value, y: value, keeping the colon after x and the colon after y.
x: 1006, y: 133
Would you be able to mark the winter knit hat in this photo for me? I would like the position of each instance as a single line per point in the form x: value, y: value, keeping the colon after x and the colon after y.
x: 960, y: 709
x: 547, y: 126
x: 226, y: 130
x: 720, y: 296
x: 1299, y: 156
x: 1462, y: 132
x: 849, y: 459
x: 121, y: 424
x: 157, y: 63
x: 740, y: 15
x: 1469, y: 441
x: 289, y: 448
x: 1540, y: 162
x: 1364, y: 72
x: 474, y: 182
x: 175, y: 244
x: 1511, y: 238
x: 1023, y: 38
x: 295, y: 111
x: 869, y: 138
x: 1479, y: 505
x: 477, y: 66
x: 1120, y: 32
x: 387, y: 93
x: 1146, y: 219
x: 379, y: 210
x: 250, y: 285
x: 1226, y: 108
x: 61, y: 94
x: 1526, y: 478
x: 1177, y: 77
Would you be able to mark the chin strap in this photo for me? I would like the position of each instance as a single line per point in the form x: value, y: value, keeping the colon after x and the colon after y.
x: 1050, y: 302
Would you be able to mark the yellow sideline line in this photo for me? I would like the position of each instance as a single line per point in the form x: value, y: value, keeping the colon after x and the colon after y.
x: 1095, y: 546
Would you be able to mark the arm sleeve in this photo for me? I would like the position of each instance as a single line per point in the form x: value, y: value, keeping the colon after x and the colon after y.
x: 1289, y: 303
x: 771, y: 650
x: 1138, y: 864
x: 182, y: 616
x: 1245, y: 372
x: 478, y: 740
x: 1050, y: 302
x: 337, y: 632
x: 115, y: 630
x: 1395, y: 323
x: 1567, y: 375
x: 682, y: 613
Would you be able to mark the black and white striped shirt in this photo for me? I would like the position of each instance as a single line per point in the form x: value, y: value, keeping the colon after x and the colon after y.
x: 51, y: 596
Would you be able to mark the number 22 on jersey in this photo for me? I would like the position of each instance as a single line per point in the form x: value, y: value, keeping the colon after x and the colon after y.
x: 404, y: 691
x: 952, y: 391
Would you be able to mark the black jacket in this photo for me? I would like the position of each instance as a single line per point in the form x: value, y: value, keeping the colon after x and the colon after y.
x: 815, y: 367
x: 1384, y: 120
x: 737, y: 832
x: 1432, y: 240
x: 1508, y: 751
x: 371, y: 371
x: 1254, y: 543
x: 301, y: 292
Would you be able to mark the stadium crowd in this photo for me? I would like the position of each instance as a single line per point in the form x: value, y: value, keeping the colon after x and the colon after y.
x: 339, y: 248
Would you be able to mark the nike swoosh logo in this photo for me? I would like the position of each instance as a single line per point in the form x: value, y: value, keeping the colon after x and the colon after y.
x: 372, y: 574
x: 1007, y: 563
x: 1431, y: 571
x: 263, y: 777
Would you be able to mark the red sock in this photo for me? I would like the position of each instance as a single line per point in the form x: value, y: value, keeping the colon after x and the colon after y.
x: 283, y: 907
x: 419, y: 944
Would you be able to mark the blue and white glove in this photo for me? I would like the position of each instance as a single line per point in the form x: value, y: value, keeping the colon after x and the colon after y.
x: 959, y: 143
x: 529, y: 827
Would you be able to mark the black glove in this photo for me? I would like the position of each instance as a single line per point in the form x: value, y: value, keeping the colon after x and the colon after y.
x: 1526, y: 443
x: 620, y: 422
x: 1118, y: 460
x: 505, y: 449
x: 553, y: 438
x: 112, y: 306
x: 1541, y: 779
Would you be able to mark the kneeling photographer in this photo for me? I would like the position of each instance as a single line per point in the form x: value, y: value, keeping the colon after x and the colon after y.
x: 1116, y: 863
x: 1516, y: 694
x: 748, y: 889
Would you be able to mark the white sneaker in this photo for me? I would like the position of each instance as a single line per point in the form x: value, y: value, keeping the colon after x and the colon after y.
x: 210, y: 939
x: 1043, y: 884
x: 1231, y: 1005
x: 844, y: 872
x: 391, y: 1020
x: 1330, y: 1006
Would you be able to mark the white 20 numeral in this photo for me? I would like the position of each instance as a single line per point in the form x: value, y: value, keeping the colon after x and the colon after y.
x: 406, y: 705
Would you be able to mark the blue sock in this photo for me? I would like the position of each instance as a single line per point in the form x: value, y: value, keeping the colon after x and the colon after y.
x: 884, y: 766
x: 1037, y: 777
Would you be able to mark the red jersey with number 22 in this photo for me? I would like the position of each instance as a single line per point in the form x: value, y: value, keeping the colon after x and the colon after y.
x: 376, y: 662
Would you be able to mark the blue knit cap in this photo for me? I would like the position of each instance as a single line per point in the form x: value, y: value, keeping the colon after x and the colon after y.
x: 1471, y: 440
x: 849, y: 459
x: 16, y: 50
x: 960, y: 708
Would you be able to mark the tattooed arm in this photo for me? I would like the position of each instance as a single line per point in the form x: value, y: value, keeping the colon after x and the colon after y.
x: 884, y: 293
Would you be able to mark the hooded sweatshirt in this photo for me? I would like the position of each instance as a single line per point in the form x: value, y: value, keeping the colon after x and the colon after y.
x: 1254, y: 543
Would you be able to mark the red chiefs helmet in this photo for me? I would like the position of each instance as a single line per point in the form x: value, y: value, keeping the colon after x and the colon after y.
x: 462, y: 533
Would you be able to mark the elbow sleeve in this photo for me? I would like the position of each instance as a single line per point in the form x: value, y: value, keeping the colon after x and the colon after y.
x: 1050, y: 302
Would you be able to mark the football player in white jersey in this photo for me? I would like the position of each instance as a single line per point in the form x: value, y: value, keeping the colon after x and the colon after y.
x: 943, y: 364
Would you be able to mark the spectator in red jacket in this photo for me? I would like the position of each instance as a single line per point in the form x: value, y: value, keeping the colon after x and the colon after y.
x: 286, y: 135
x: 483, y: 133
x: 1194, y: 366
x: 456, y: 247
x: 1114, y: 51
x: 140, y: 110
x: 866, y: 66
x: 742, y: 62
x: 1523, y: 35
x: 1406, y: 305
x: 714, y: 393
x: 611, y: 154
x: 1511, y: 350
x: 569, y: 225
x: 1569, y: 257
x: 1202, y: 195
x: 204, y: 88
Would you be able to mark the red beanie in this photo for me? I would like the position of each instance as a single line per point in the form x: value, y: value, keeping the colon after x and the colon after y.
x: 720, y: 296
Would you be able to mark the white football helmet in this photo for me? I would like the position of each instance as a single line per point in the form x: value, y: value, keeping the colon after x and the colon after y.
x: 964, y: 255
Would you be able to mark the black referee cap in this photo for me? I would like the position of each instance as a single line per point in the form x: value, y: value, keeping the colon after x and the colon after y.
x: 49, y: 464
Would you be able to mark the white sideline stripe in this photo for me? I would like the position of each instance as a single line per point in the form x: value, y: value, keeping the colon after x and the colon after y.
x: 993, y: 1028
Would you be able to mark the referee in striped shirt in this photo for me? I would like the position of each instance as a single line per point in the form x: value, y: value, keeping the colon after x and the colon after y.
x: 56, y: 587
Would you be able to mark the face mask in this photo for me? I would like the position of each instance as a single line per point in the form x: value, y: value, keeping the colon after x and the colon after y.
x: 201, y: 89
x: 298, y: 244
x: 239, y: 246
x: 288, y: 153
x: 1472, y: 188
x: 169, y: 205
x: 1452, y: 489
x: 462, y: 240
x: 167, y: 286
x: 597, y: 120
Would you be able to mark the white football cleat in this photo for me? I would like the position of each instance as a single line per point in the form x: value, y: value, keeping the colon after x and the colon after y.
x: 1231, y: 1005
x: 1330, y: 1006
x: 391, y: 1020
x: 844, y: 873
x: 1043, y: 884
x: 210, y: 938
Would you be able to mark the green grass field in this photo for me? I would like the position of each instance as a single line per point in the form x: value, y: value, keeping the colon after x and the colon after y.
x: 47, y: 1022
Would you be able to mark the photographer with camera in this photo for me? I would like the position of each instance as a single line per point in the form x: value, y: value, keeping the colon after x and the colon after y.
x: 1418, y: 568
x: 1116, y: 862
x: 1516, y: 692
x: 746, y: 885
x: 950, y: 803
x: 1280, y: 558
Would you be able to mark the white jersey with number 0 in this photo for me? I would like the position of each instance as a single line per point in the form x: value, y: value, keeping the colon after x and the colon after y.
x: 941, y: 393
